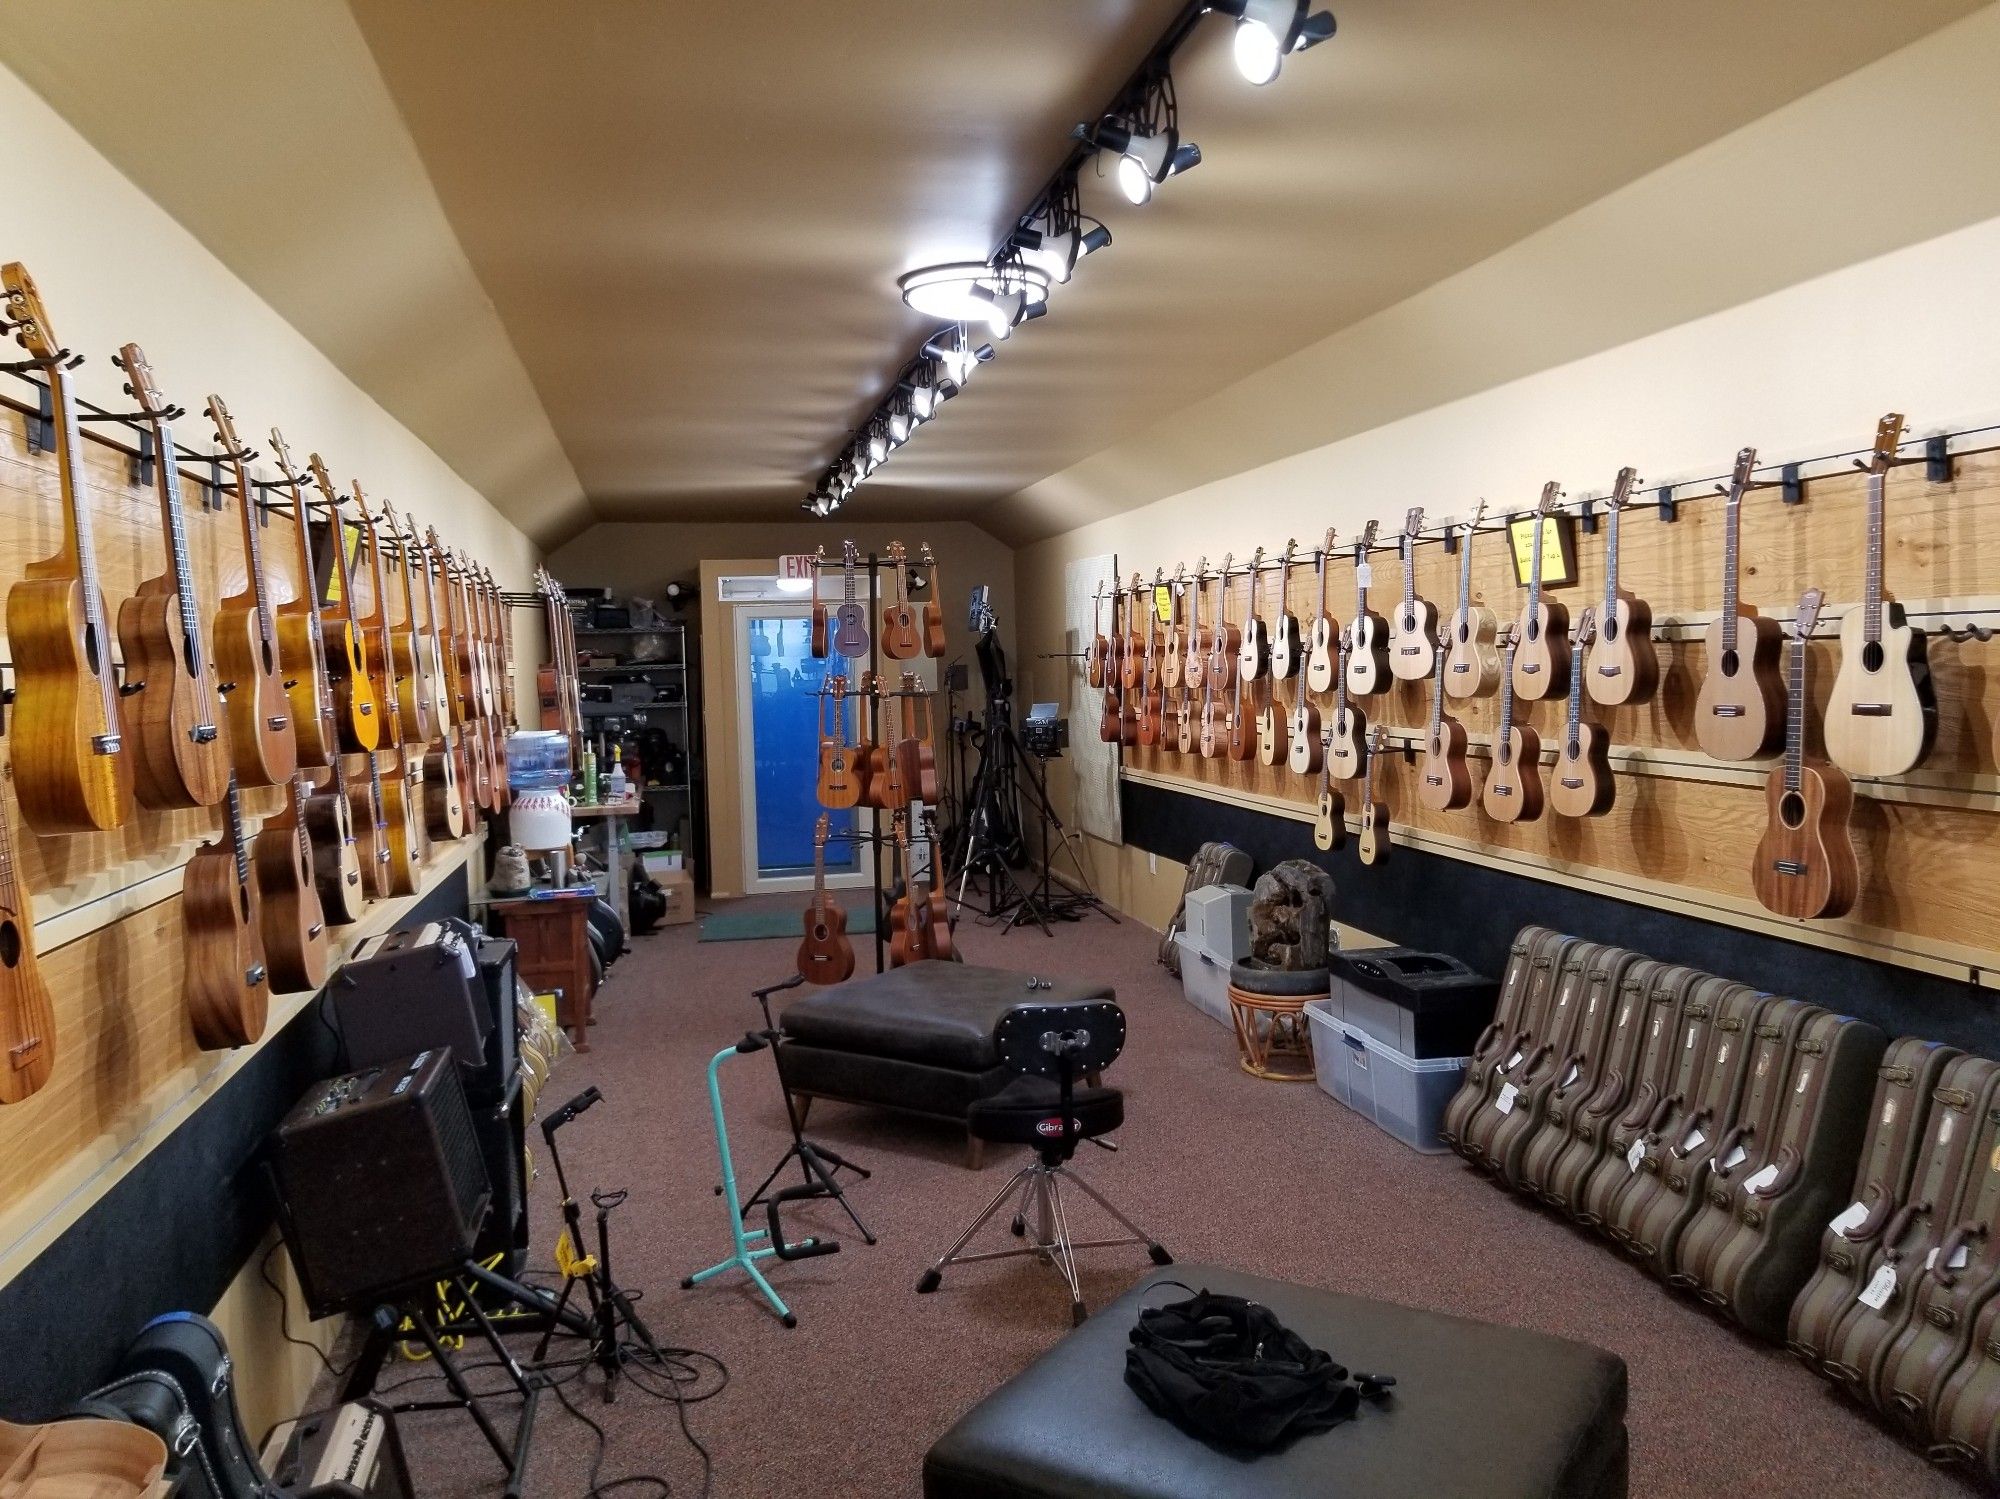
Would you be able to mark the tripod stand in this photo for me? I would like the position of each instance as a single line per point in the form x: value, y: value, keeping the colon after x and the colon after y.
x: 817, y: 1164
x: 1074, y: 903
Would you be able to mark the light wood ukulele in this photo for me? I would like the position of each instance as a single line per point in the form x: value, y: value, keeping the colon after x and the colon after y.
x: 225, y: 984
x: 1738, y: 714
x: 1413, y: 633
x: 1624, y: 665
x: 1882, y: 717
x: 1152, y: 700
x: 1132, y: 664
x: 1444, y: 783
x: 1288, y: 655
x: 1227, y: 639
x: 1347, y: 729
x: 301, y: 640
x: 826, y: 953
x: 934, y: 642
x: 172, y: 707
x: 1330, y: 813
x: 1373, y: 844
x: 448, y: 811
x: 1367, y: 633
x: 359, y: 716
x: 72, y: 772
x: 1472, y: 664
x: 402, y: 782
x: 900, y: 637
x: 1541, y: 635
x: 262, y: 743
x: 1805, y: 865
x: 1307, y: 750
x: 1098, y: 656
x: 1195, y: 668
x: 27, y: 1015
x: 1514, y: 780
x: 840, y: 772
x: 1321, y: 657
x: 1583, y: 782
x: 1173, y: 649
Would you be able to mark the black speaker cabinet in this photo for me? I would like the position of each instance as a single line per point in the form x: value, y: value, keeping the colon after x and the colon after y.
x: 380, y: 1181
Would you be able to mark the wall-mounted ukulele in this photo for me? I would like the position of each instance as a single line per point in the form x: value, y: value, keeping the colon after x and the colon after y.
x: 840, y: 768
x: 850, y: 620
x: 1152, y: 698
x: 1288, y: 655
x: 1367, y: 633
x: 1242, y: 727
x: 246, y: 640
x: 1472, y: 663
x: 1514, y: 780
x: 1806, y: 865
x: 1444, y: 783
x: 826, y: 955
x: 1413, y: 635
x: 1173, y: 649
x: 1131, y: 650
x: 1227, y: 640
x: 901, y: 638
x: 329, y: 818
x: 225, y: 984
x: 933, y: 610
x: 1186, y: 726
x: 27, y: 1017
x: 1270, y: 723
x: 918, y: 746
x: 1347, y: 730
x: 1322, y: 651
x: 500, y: 713
x: 821, y: 632
x: 414, y: 708
x: 1099, y: 654
x: 1195, y: 667
x: 1738, y: 714
x: 172, y: 710
x: 1214, y: 724
x: 1624, y: 666
x: 1583, y: 785
x: 403, y: 781
x: 1111, y: 709
x: 1306, y: 751
x: 475, y: 764
x: 445, y: 814
x: 1330, y: 813
x: 1882, y: 717
x: 301, y: 642
x: 356, y: 712
x: 293, y: 921
x: 487, y: 780
x: 1541, y: 635
x: 1373, y: 844
x: 72, y: 773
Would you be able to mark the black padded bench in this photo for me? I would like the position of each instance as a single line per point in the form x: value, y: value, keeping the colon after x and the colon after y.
x: 1477, y: 1409
x: 918, y: 1038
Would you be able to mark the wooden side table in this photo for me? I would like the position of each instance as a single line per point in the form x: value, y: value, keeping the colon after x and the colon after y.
x: 553, y: 938
x: 1272, y: 1035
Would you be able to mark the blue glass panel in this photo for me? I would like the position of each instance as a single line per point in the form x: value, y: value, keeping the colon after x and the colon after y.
x: 784, y: 730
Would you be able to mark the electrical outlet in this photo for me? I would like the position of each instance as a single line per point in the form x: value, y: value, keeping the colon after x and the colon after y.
x: 1152, y: 862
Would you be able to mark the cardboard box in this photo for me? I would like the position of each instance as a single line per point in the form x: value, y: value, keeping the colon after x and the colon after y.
x: 678, y: 885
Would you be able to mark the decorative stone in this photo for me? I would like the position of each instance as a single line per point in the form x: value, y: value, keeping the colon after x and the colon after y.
x: 1290, y: 911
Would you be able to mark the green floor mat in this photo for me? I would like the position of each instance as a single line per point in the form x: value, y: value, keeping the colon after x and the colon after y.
x: 750, y: 926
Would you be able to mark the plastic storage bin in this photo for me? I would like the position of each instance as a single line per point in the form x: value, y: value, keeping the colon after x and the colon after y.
x: 1422, y: 1004
x: 1204, y: 979
x: 1404, y: 1095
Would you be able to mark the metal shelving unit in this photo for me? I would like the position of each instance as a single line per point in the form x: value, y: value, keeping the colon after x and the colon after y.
x: 675, y: 719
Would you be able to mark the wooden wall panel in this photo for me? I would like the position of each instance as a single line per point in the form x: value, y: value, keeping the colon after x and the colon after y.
x: 1929, y: 843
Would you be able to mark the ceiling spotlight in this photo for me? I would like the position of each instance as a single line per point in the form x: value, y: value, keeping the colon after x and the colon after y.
x: 878, y: 446
x: 959, y: 359
x: 1145, y: 157
x: 1266, y: 30
x: 921, y: 391
x: 973, y: 291
x: 899, y: 427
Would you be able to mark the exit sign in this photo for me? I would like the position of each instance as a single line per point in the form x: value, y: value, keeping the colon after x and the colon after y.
x: 798, y: 565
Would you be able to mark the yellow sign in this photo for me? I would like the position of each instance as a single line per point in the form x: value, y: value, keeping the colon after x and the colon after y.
x: 1558, y: 559
x: 1163, y: 603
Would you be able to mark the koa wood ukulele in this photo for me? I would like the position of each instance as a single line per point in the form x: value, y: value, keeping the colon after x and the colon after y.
x: 933, y: 610
x: 27, y: 1018
x: 1132, y: 662
x: 1623, y: 666
x: 1227, y: 639
x: 1173, y: 648
x: 1472, y: 661
x: 1413, y: 643
x: 920, y: 926
x: 301, y: 640
x: 294, y: 922
x: 1738, y: 715
x: 1514, y: 780
x: 225, y: 984
x: 840, y: 771
x: 1099, y: 654
x: 328, y: 813
x: 901, y: 639
x: 1367, y: 632
x: 826, y: 953
x: 72, y: 773
x: 1805, y: 865
x: 448, y: 812
x: 1322, y: 650
x: 262, y: 744
x: 1373, y: 844
x: 1541, y: 635
x: 1583, y: 785
x: 402, y: 783
x: 819, y: 635
x: 172, y: 708
x: 1152, y: 700
x: 1444, y: 782
x: 356, y: 712
x: 1883, y: 713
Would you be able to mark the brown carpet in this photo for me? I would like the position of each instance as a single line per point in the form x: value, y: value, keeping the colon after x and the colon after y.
x: 1272, y: 1178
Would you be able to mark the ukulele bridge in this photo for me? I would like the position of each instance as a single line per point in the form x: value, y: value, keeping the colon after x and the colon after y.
x: 1608, y: 671
x: 106, y: 744
x: 1788, y: 866
x: 1572, y: 783
x: 20, y: 1056
x: 1872, y: 710
x: 203, y: 733
x: 1728, y: 710
x: 253, y: 975
x: 276, y: 722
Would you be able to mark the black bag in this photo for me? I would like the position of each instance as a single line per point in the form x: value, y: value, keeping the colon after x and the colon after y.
x: 1228, y: 1371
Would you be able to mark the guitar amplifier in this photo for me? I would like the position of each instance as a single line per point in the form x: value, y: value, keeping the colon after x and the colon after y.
x: 380, y: 1182
x: 411, y: 991
x: 350, y: 1452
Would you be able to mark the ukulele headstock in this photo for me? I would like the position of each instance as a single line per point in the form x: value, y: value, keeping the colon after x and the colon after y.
x: 140, y: 386
x: 1739, y: 478
x: 1413, y: 523
x: 1585, y: 629
x: 29, y: 319
x: 1478, y: 515
x: 1551, y: 497
x: 1367, y: 542
x: 283, y: 454
x: 219, y: 418
x: 1888, y: 438
x: 1621, y: 491
x: 323, y: 482
x: 1326, y: 547
x: 1808, y: 616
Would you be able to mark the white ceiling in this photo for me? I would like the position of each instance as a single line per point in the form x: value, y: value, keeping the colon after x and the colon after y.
x: 640, y: 259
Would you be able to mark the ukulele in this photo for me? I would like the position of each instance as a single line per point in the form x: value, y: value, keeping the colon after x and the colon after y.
x: 1541, y: 635
x: 328, y: 814
x: 826, y: 955
x: 1288, y: 656
x: 27, y: 1015
x: 1173, y: 648
x: 356, y: 710
x: 294, y: 923
x: 246, y: 641
x: 1226, y: 639
x: 1374, y: 843
x: 1882, y: 716
x: 1623, y: 667
x: 474, y: 751
x: 1330, y: 815
x: 225, y: 984
x: 500, y: 715
x: 1152, y: 699
x: 922, y: 930
x: 889, y: 783
x: 1111, y: 715
x: 1271, y: 726
x: 1186, y: 728
x: 1583, y: 785
x: 1214, y: 728
x: 850, y: 620
x: 401, y: 786
x: 1242, y: 738
x: 1514, y: 781
x: 1806, y: 865
x: 1737, y: 715
x: 414, y: 716
x: 917, y: 748
x: 1194, y: 668
x: 1472, y: 663
x: 71, y: 771
x: 172, y: 709
x: 840, y: 774
x: 1253, y: 650
x: 1444, y: 784
x: 301, y: 640
x: 821, y: 644
x: 1099, y: 655
x: 1132, y: 665
x: 1321, y: 659
x: 1347, y: 730
x: 900, y: 637
x: 447, y: 813
x: 488, y: 730
x: 1305, y: 755
x: 1413, y: 635
x: 1367, y: 669
x: 933, y: 610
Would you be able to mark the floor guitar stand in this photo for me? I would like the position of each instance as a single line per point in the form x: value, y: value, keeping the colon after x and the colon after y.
x: 818, y: 1165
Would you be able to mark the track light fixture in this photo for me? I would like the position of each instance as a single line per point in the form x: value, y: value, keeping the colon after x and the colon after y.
x: 1268, y: 30
x: 1146, y: 140
x: 1051, y: 236
x: 996, y: 293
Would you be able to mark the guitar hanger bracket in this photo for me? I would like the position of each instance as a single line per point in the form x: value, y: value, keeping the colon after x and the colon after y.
x: 1788, y: 481
x: 1586, y: 514
x: 1937, y: 459
x: 1668, y: 506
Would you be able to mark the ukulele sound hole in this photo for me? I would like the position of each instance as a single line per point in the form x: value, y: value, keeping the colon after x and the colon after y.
x: 1871, y: 656
x: 1610, y: 630
x: 1728, y: 663
x: 1792, y: 809
x: 10, y: 944
x: 93, y: 654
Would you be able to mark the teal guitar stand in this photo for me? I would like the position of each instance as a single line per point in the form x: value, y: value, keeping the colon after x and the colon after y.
x: 773, y: 1235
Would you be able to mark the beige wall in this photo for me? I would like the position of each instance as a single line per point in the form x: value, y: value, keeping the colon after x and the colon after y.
x: 1782, y: 287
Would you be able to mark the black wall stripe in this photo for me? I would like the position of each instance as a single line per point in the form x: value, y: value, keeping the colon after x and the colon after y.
x: 175, y: 1230
x: 1472, y: 911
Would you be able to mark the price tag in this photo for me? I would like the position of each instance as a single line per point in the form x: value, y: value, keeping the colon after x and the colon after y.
x: 1734, y: 1159
x: 1854, y: 1217
x: 1958, y: 1258
x: 1762, y: 1179
x: 1511, y: 1063
x: 1878, y: 1291
x: 1364, y: 575
x: 1505, y: 1101
x: 1571, y: 1075
x: 1635, y: 1155
x: 1694, y: 1141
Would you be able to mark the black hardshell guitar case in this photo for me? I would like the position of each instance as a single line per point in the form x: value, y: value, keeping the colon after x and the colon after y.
x: 189, y: 1350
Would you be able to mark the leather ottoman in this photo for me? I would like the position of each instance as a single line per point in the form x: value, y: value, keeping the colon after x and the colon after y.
x: 918, y: 1038
x: 1477, y: 1409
